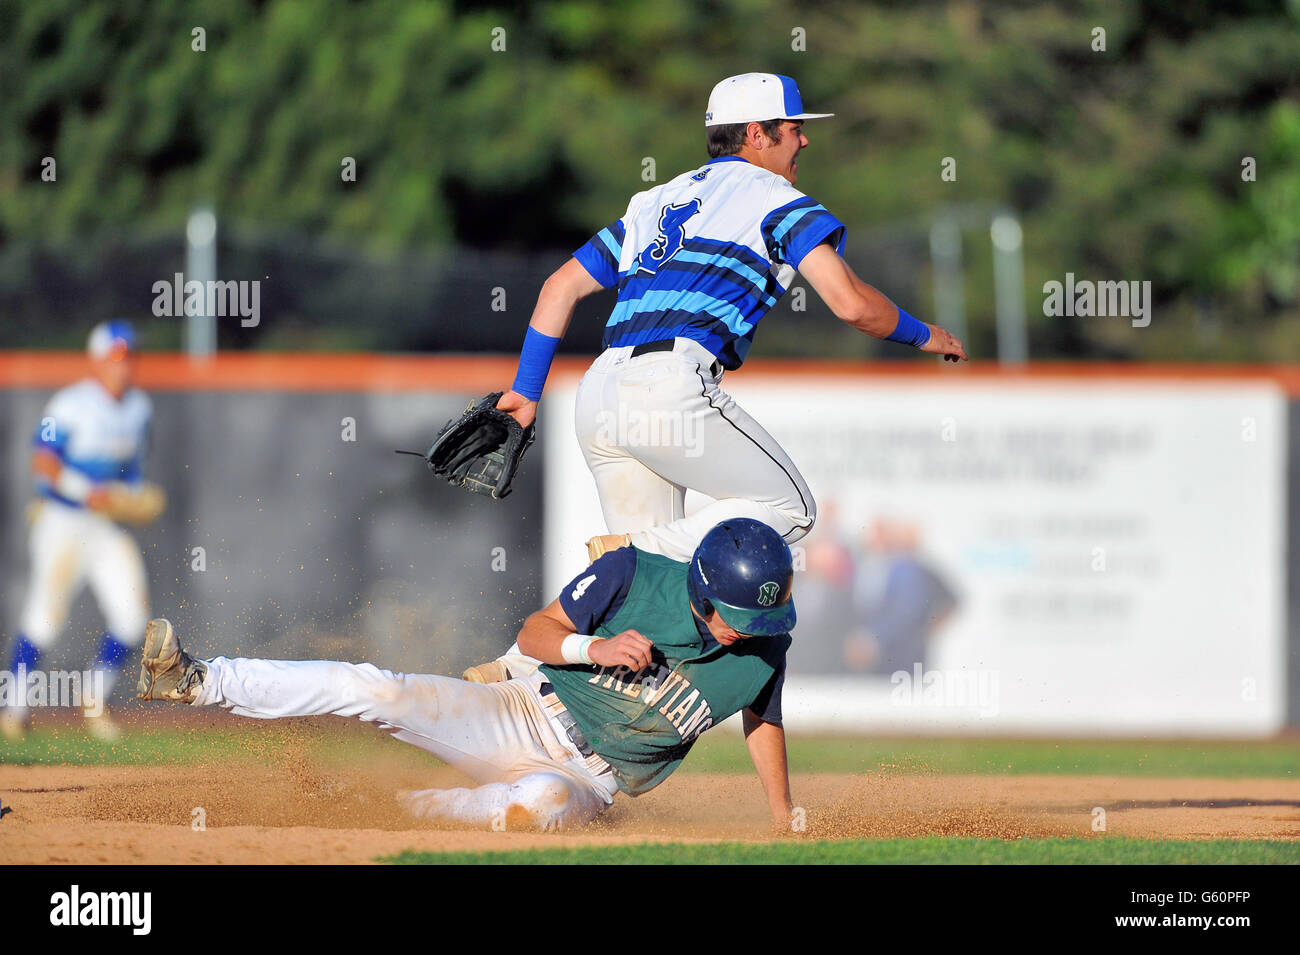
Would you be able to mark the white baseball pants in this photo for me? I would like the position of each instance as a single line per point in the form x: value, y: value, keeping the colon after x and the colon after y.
x: 68, y: 547
x: 497, y: 733
x: 655, y: 425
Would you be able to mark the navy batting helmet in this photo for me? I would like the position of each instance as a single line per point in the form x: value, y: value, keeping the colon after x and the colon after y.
x: 744, y: 570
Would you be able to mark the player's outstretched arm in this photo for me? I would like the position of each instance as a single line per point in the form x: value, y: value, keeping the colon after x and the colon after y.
x: 560, y: 293
x: 766, y: 742
x: 866, y: 309
x: 548, y: 635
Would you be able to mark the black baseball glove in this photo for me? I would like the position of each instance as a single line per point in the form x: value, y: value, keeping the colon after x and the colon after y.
x: 481, y: 449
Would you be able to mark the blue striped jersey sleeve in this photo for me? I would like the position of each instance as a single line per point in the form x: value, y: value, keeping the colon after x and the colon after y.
x: 796, y: 228
x: 600, y: 255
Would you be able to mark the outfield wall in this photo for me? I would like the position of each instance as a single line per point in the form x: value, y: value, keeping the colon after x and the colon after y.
x: 1011, y: 559
x: 318, y: 540
x: 1064, y: 529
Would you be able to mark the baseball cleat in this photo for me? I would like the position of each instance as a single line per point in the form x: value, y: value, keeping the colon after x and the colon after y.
x: 494, y: 671
x: 166, y: 671
x: 602, y: 544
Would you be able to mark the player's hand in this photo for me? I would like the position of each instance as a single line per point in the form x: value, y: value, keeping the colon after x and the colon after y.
x: 943, y: 342
x: 628, y: 649
x: 785, y: 822
x: 518, y: 407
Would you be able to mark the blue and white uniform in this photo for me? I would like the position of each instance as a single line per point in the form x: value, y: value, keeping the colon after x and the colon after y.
x: 95, y: 435
x: 706, y: 255
x: 102, y: 439
x: 98, y: 439
x: 698, y: 262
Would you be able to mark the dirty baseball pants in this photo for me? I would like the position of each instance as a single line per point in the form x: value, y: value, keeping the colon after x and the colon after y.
x: 657, y: 424
x: 654, y: 425
x: 530, y: 775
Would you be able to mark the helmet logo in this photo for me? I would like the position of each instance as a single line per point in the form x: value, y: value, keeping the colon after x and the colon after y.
x: 767, y: 593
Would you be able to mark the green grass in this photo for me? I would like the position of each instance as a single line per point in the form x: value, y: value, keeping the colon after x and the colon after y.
x: 345, y: 744
x: 74, y: 747
x: 719, y: 753
x: 931, y: 850
x: 1217, y: 759
x: 331, y: 746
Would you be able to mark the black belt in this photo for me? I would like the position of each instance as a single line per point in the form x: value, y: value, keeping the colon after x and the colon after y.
x: 568, y: 722
x: 644, y: 349
x: 668, y: 344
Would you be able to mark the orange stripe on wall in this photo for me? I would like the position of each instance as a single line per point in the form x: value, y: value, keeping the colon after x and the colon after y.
x: 478, y: 374
x: 274, y: 371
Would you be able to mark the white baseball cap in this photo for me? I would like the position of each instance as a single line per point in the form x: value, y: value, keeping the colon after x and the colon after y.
x: 756, y: 97
x: 111, y: 339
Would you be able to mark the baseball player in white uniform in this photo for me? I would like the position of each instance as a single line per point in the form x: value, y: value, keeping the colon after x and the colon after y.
x: 697, y: 262
x: 89, y: 449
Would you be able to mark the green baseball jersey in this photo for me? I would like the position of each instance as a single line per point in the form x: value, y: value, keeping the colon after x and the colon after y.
x: 644, y: 723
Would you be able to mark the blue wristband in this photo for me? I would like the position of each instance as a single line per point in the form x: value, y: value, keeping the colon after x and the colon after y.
x: 534, y: 363
x: 909, y: 331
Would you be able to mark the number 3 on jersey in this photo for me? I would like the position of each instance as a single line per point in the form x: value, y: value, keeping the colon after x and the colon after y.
x: 672, y: 233
x: 582, y: 586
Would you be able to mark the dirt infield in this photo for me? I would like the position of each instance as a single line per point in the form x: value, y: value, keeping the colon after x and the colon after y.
x: 306, y: 814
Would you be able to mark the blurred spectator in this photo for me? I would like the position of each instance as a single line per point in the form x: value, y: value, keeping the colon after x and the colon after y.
x: 870, y: 609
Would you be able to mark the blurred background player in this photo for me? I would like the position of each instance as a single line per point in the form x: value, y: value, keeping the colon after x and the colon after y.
x: 876, y: 600
x: 89, y: 452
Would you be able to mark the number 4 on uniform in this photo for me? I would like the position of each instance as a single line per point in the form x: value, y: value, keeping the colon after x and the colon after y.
x: 581, y: 589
